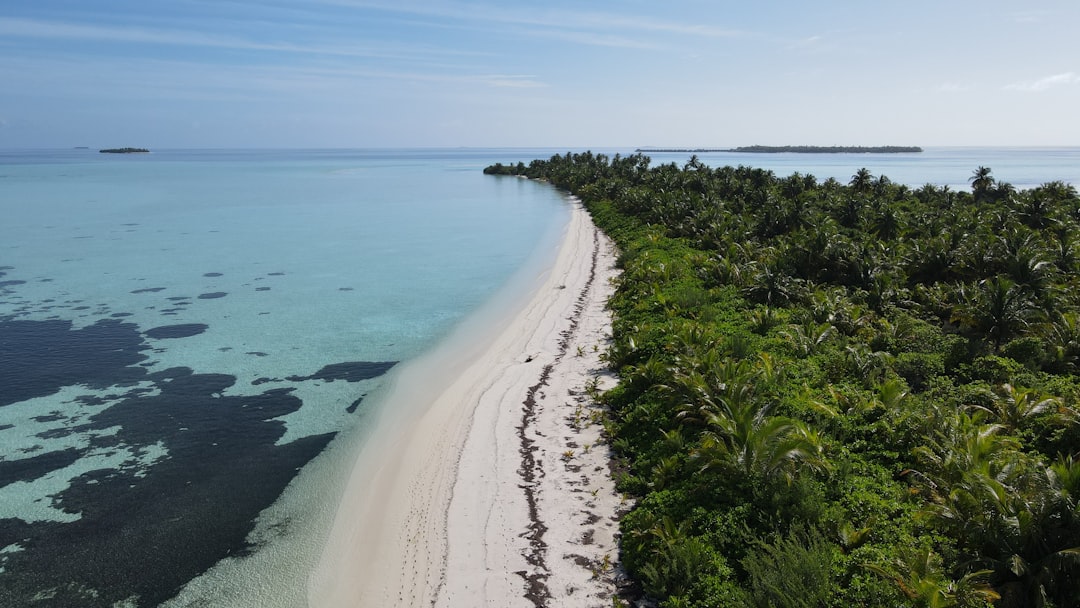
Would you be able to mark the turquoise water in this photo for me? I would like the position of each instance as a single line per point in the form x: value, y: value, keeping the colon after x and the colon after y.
x: 181, y: 332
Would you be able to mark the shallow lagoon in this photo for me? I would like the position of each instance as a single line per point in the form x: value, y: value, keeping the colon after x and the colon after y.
x: 181, y: 332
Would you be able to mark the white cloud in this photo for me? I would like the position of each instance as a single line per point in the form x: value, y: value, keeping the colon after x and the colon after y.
x: 1043, y: 84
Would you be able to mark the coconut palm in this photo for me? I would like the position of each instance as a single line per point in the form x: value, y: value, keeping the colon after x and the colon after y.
x: 920, y: 577
x: 862, y: 180
x: 982, y: 184
x: 1012, y: 407
x: 771, y: 287
x: 748, y: 440
x: 1062, y: 334
x: 997, y: 310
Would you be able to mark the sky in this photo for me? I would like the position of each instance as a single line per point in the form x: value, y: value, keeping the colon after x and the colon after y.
x: 558, y: 73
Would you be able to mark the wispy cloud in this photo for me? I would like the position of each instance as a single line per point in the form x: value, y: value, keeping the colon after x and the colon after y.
x: 60, y: 30
x: 538, y: 16
x: 594, y: 39
x: 512, y: 82
x: 1043, y: 84
x: 173, y: 80
x: 806, y: 44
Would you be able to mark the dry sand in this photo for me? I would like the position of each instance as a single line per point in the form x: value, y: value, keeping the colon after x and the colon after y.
x: 487, y: 481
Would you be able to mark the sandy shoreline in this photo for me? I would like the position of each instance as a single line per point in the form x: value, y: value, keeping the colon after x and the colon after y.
x: 491, y: 487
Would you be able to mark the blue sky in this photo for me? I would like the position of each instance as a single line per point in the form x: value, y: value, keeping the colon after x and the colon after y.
x: 359, y: 73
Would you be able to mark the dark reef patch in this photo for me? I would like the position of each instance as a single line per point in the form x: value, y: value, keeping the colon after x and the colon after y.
x: 355, y: 404
x: 212, y: 274
x: 149, y: 290
x: 213, y: 295
x: 200, y: 466
x: 38, y: 358
x: 262, y: 289
x: 36, y: 466
x: 351, y: 371
x: 275, y: 274
x: 147, y: 536
x: 184, y: 330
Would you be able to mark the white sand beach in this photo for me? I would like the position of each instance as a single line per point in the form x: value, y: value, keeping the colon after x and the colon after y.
x: 487, y: 481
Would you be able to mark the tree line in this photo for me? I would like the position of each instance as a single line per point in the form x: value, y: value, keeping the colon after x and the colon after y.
x: 840, y: 394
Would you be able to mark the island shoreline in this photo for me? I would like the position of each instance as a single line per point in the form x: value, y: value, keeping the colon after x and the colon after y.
x: 469, y: 497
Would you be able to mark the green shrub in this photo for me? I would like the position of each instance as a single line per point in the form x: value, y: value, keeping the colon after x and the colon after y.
x: 992, y: 369
x: 918, y: 368
x: 1028, y: 351
x: 793, y: 571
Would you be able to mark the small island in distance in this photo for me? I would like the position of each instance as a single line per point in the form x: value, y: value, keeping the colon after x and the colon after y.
x: 123, y: 150
x: 798, y: 149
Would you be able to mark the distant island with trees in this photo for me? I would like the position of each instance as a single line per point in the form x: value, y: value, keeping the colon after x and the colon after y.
x: 797, y: 149
x: 124, y: 151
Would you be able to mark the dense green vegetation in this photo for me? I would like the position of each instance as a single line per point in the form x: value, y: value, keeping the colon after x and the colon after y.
x: 123, y: 150
x: 836, y: 394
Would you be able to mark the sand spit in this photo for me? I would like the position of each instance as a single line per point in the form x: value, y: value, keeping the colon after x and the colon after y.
x: 491, y: 487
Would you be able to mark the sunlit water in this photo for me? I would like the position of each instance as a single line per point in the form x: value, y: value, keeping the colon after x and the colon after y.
x: 1021, y: 167
x: 182, y: 331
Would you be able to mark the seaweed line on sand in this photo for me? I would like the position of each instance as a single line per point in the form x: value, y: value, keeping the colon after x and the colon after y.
x: 531, y: 470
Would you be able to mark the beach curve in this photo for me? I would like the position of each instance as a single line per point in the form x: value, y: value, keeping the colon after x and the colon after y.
x: 487, y: 482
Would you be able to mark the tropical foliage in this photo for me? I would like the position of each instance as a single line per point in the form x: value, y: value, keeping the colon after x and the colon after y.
x: 835, y: 394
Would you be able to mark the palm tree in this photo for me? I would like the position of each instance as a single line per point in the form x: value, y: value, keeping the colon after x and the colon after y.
x: 982, y: 184
x: 919, y: 576
x: 1062, y: 334
x: 1008, y: 510
x: 1035, y: 209
x: 998, y: 310
x: 771, y: 287
x: 806, y: 339
x: 746, y: 439
x: 862, y: 180
x: 1012, y: 407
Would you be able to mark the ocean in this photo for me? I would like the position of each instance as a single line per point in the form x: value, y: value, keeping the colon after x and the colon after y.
x: 186, y: 334
x: 1023, y: 167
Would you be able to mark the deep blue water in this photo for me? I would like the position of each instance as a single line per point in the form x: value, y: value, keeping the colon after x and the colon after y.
x: 182, y: 331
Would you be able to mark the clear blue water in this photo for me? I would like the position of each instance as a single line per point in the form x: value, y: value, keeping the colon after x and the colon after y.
x: 1022, y: 167
x: 182, y: 331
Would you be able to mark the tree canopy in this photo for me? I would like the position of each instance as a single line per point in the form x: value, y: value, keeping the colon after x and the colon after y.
x: 836, y: 394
